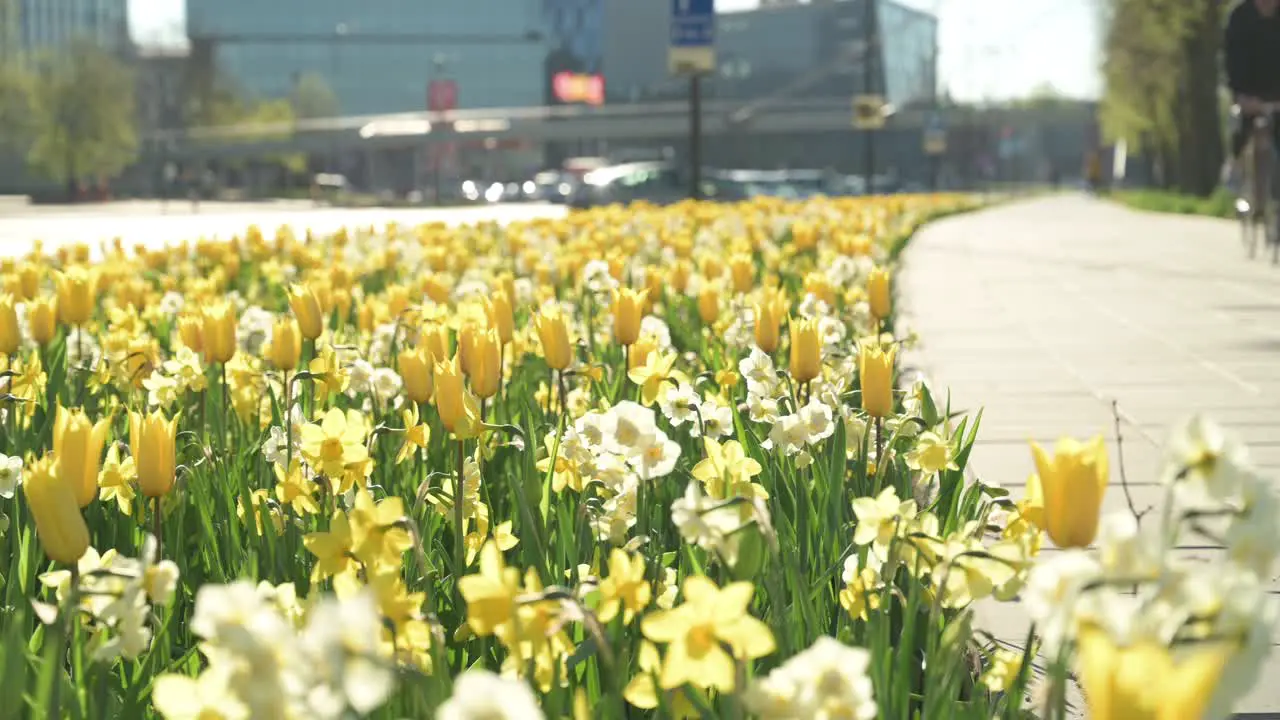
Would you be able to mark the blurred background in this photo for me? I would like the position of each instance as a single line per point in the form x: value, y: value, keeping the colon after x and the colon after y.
x: 484, y: 101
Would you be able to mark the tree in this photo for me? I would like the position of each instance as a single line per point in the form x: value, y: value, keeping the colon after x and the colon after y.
x: 1160, y: 68
x: 17, y: 88
x: 83, y: 104
x: 312, y: 98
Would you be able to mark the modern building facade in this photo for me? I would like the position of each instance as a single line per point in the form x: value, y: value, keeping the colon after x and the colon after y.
x: 47, y: 24
x: 378, y: 56
x: 815, y: 49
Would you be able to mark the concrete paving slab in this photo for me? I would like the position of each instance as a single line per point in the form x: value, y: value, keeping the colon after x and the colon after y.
x: 1161, y: 313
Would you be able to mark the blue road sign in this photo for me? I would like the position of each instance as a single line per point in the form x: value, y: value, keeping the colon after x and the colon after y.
x: 693, y: 23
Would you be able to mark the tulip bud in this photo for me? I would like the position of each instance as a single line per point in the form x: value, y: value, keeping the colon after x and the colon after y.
x: 77, y: 444
x: 76, y: 289
x: 29, y: 275
x: 397, y: 300
x: 806, y: 350
x: 742, y: 270
x: 416, y: 371
x: 190, y: 329
x: 42, y: 318
x: 152, y: 440
x: 218, y: 332
x: 286, y: 344
x: 501, y: 318
x: 342, y: 304
x: 553, y: 332
x: 52, y: 502
x: 435, y: 338
x: 466, y: 341
x: 306, y: 308
x: 878, y: 293
x: 628, y: 310
x: 507, y: 282
x: 680, y: 273
x: 1073, y: 483
x: 10, y: 336
x: 486, y: 357
x: 709, y: 303
x: 875, y: 375
x: 769, y: 311
x: 454, y: 404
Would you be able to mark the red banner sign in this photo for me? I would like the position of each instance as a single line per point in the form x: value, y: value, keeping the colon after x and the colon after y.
x: 442, y: 95
x: 578, y: 88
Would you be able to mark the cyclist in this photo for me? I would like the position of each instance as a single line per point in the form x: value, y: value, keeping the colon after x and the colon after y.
x: 1252, y: 45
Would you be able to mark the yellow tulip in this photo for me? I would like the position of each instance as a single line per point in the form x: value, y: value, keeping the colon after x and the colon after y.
x: 77, y: 444
x: 190, y: 329
x: 875, y: 375
x: 42, y: 318
x: 769, y: 312
x: 501, y: 318
x: 486, y: 354
x: 435, y: 338
x: 1143, y: 681
x: 553, y: 332
x: 806, y: 350
x: 507, y: 283
x: 628, y: 310
x: 743, y: 271
x: 10, y: 336
x: 286, y: 344
x: 415, y: 370
x: 680, y: 273
x: 152, y: 440
x: 29, y: 276
x: 76, y: 290
x: 342, y: 303
x: 52, y: 502
x: 878, y: 293
x: 709, y: 303
x: 1073, y: 481
x: 306, y: 308
x: 817, y: 284
x: 218, y: 332
x: 455, y: 405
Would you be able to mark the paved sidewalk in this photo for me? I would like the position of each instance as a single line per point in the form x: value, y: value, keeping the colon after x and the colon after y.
x: 1043, y: 312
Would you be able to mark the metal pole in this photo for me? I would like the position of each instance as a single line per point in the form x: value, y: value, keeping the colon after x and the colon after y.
x: 868, y: 88
x: 695, y: 136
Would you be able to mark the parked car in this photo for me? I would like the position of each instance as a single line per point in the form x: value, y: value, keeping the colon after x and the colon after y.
x: 660, y: 183
x: 554, y: 186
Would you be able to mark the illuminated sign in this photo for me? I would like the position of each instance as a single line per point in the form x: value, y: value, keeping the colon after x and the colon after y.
x: 572, y: 87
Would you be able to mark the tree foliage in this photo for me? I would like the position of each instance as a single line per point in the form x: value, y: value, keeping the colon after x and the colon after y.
x: 313, y: 98
x: 1160, y: 69
x: 17, y: 102
x: 85, y: 115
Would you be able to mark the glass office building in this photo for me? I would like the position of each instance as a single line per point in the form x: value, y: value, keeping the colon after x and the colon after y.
x: 46, y: 24
x: 378, y: 56
x: 815, y: 50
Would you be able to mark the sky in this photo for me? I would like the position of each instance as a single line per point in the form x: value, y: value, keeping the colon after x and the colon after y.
x: 989, y: 49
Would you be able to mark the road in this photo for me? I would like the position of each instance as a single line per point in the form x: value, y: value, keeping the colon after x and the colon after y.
x: 1043, y: 312
x: 154, y: 224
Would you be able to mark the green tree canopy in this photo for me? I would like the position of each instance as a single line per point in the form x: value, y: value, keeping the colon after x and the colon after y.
x: 85, y: 114
x: 313, y: 98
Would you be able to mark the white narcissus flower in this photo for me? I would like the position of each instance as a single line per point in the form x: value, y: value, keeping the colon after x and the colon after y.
x: 342, y: 639
x: 828, y: 680
x: 361, y: 376
x: 658, y: 459
x: 1214, y: 460
x: 931, y: 454
x: 634, y: 429
x: 479, y: 694
x: 386, y: 384
x: 10, y: 475
x: 680, y: 406
x: 816, y: 417
x: 1050, y: 596
x: 717, y: 419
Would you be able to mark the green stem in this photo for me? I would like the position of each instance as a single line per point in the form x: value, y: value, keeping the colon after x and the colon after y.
x: 459, y: 552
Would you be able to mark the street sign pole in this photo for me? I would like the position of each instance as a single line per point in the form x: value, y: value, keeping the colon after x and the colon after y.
x: 692, y: 52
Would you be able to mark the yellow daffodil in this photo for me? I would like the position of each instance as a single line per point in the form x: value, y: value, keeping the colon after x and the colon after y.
x: 695, y: 630
x: 336, y: 442
x: 625, y: 588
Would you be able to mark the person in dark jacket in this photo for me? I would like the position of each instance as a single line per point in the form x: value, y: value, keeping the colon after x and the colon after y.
x: 1252, y: 48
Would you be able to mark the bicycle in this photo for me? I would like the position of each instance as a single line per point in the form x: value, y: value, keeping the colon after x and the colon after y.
x: 1257, y: 205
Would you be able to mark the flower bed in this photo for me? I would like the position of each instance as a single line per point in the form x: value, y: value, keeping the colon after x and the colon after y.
x: 633, y: 462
